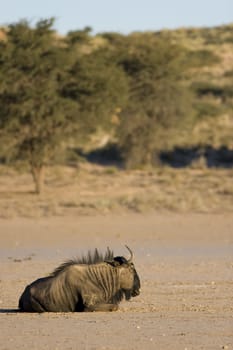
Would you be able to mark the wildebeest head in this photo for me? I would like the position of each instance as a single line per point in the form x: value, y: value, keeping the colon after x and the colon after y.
x: 129, y: 279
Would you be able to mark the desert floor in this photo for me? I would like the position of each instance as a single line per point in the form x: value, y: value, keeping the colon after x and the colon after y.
x: 185, y: 262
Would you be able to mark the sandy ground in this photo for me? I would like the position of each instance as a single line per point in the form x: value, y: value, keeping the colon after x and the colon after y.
x: 185, y: 262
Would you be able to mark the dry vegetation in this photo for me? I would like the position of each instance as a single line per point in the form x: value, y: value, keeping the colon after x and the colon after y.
x: 92, y: 189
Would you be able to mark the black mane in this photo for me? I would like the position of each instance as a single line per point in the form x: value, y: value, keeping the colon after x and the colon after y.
x: 92, y: 257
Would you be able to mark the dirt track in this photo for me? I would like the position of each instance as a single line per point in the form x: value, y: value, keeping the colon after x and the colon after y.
x: 186, y: 267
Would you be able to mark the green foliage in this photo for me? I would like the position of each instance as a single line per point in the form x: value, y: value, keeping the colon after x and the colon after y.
x: 51, y: 88
x: 218, y: 35
x: 79, y: 36
x: 200, y: 58
x: 190, y: 37
x: 144, y: 89
x: 158, y: 103
x: 33, y: 111
x: 114, y: 39
x: 207, y: 109
x: 98, y: 86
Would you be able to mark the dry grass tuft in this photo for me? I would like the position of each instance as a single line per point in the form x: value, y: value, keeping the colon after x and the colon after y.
x: 93, y: 189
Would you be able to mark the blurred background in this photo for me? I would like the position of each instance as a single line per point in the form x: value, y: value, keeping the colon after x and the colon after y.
x: 115, y: 106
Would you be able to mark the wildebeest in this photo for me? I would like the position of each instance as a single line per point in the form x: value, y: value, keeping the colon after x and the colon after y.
x: 93, y: 283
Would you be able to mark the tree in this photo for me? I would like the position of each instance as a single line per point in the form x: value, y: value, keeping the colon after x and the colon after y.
x: 99, y: 86
x: 33, y: 112
x: 158, y: 103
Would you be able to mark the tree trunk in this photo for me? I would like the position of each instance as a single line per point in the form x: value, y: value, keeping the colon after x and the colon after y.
x: 38, y: 177
x: 148, y: 158
x: 152, y: 158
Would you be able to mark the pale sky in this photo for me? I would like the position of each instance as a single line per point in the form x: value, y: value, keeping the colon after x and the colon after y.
x: 123, y: 16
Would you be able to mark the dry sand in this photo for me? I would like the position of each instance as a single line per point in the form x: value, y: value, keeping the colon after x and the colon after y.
x: 185, y: 262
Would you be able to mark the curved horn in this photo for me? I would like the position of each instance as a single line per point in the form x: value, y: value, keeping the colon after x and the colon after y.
x: 131, y: 254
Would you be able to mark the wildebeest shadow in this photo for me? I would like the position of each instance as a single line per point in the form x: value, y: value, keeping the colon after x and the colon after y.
x: 9, y: 311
